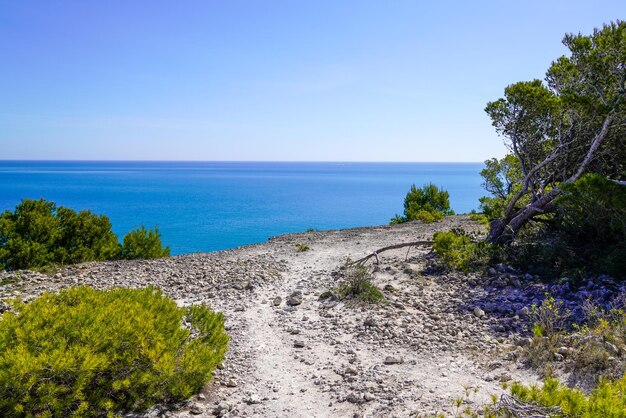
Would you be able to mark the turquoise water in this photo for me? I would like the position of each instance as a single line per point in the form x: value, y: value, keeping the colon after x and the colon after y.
x: 207, y: 206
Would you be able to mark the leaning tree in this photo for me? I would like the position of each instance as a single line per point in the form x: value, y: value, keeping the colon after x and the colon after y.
x: 558, y: 129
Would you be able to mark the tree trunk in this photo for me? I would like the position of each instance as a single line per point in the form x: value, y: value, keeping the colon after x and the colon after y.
x: 502, y: 231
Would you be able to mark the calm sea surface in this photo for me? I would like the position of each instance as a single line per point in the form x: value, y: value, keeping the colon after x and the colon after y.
x: 207, y: 206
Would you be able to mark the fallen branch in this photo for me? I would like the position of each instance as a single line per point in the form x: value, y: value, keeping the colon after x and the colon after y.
x: 363, y: 260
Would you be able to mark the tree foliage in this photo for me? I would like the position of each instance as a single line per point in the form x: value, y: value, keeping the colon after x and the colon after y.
x: 38, y: 233
x: 85, y: 352
x: 426, y: 204
x: 558, y: 129
x: 144, y: 243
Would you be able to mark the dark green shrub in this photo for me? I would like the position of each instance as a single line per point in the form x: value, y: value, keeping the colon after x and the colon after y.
x: 28, y: 236
x: 586, y: 235
x: 144, y: 243
x: 591, y: 216
x: 426, y: 204
x: 85, y: 352
x: 38, y: 234
x: 84, y: 236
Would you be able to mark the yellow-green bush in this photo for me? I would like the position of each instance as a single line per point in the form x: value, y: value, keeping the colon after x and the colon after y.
x: 607, y: 400
x: 85, y: 352
x: 456, y: 250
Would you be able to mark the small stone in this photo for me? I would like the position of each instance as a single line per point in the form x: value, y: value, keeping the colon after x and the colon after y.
x: 354, y: 397
x: 295, y: 298
x: 611, y: 348
x: 352, y: 371
x: 389, y: 360
x: 253, y: 400
x: 479, y: 313
x: 196, y: 409
x: 277, y: 301
x: 558, y: 357
x: 232, y: 383
x: 564, y: 351
x: 298, y: 344
x: 221, y: 409
x: 369, y: 397
x: 505, y: 377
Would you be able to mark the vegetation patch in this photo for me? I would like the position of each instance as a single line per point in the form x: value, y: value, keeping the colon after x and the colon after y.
x: 427, y: 204
x: 358, y: 285
x: 607, y: 400
x: 143, y: 243
x: 456, y: 250
x: 40, y: 235
x: 301, y: 247
x: 9, y: 280
x: 85, y: 352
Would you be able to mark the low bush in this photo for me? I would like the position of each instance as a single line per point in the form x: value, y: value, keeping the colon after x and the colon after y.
x: 481, y: 218
x: 142, y: 243
x: 301, y: 247
x: 550, y: 399
x: 358, y: 284
x: 548, y: 327
x: 85, y: 352
x: 607, y: 400
x: 427, y: 204
x: 456, y: 250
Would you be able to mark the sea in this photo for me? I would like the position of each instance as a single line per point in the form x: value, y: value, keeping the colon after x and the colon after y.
x: 209, y: 206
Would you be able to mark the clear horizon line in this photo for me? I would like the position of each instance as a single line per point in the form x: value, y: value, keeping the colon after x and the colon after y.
x: 234, y: 161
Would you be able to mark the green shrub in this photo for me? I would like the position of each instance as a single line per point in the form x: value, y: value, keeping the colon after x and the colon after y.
x: 591, y: 216
x: 85, y: 352
x: 358, y: 284
x: 84, y: 237
x: 426, y: 204
x: 481, y: 218
x: 38, y: 234
x: 301, y: 247
x: 456, y: 250
x: 607, y: 400
x: 142, y: 243
x: 585, y: 236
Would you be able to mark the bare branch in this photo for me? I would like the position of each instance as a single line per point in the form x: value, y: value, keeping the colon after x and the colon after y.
x: 363, y: 260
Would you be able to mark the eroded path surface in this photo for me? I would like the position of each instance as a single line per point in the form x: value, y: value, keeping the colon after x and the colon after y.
x: 294, y: 355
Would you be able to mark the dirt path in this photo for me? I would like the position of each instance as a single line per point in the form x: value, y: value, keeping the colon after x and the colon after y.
x: 329, y: 359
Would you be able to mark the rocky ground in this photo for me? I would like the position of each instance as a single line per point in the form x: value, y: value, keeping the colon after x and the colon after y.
x: 294, y: 355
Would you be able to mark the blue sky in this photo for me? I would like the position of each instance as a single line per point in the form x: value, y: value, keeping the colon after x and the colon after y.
x: 271, y: 80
